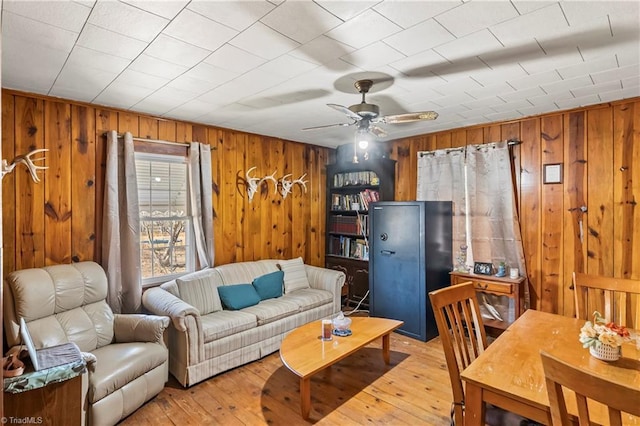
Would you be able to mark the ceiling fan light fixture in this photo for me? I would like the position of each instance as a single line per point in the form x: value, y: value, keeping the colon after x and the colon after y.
x: 363, y: 137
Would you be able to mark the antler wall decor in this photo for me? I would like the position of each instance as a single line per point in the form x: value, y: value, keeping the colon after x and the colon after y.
x: 287, y: 185
x: 284, y: 183
x: 28, y: 162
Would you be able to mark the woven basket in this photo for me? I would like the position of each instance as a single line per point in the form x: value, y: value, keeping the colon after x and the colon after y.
x: 605, y: 352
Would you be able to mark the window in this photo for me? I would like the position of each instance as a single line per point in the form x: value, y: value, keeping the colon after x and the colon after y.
x: 166, y: 231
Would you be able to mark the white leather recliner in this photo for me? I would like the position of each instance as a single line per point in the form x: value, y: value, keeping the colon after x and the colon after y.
x: 67, y: 303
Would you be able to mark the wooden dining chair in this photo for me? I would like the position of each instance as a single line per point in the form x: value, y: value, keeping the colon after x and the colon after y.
x: 558, y: 373
x: 617, y: 299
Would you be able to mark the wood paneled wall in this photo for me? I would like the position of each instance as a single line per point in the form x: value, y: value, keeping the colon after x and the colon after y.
x: 60, y: 219
x: 599, y: 148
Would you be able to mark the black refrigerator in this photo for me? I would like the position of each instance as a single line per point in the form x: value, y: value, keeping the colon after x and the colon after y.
x: 410, y: 255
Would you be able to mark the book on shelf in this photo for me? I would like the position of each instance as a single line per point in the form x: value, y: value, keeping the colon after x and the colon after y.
x: 355, y: 178
x: 361, y: 200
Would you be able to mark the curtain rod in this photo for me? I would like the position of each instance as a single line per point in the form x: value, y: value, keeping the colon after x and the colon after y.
x: 510, y: 143
x: 120, y: 135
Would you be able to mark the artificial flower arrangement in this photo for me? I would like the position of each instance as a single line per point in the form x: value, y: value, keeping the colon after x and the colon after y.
x: 601, y: 332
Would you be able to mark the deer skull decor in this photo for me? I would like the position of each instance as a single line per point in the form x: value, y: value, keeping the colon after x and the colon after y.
x: 285, y: 184
x: 28, y: 162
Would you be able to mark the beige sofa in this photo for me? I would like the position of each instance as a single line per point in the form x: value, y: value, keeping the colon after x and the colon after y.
x: 67, y: 303
x: 205, y: 340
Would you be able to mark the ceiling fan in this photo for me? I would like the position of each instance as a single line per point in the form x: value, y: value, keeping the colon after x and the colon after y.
x: 367, y: 116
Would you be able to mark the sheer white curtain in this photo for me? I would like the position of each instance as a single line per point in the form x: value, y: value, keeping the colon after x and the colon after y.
x: 121, y: 226
x: 478, y: 179
x: 200, y: 196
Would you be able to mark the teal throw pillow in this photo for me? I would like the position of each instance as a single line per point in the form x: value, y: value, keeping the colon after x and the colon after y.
x: 238, y: 296
x: 269, y: 286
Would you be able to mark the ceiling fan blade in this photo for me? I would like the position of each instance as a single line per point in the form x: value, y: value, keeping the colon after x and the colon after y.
x: 378, y: 131
x: 407, y: 118
x: 345, y: 110
x: 329, y: 125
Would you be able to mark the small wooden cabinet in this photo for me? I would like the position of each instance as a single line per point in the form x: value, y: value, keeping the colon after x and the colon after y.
x: 504, y: 294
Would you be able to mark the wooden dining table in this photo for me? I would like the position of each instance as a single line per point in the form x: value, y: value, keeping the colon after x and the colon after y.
x: 509, y: 372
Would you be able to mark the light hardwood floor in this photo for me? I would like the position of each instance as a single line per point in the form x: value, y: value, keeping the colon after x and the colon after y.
x: 361, y: 389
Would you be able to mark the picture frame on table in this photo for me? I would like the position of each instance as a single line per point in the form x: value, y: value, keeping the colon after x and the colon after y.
x: 483, y: 268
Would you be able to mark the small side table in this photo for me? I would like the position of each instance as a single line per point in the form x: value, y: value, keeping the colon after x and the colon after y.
x: 47, y: 397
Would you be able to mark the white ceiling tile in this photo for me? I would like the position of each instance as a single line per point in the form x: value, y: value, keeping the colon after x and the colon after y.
x: 127, y: 20
x: 588, y: 67
x: 211, y: 73
x: 233, y: 59
x: 545, y: 100
x: 630, y: 82
x: 512, y: 54
x: 136, y: 78
x: 263, y: 41
x: 37, y: 32
x: 452, y: 100
x: 175, y: 51
x: 522, y: 94
x: 192, y: 85
x: 488, y: 76
x: 373, y: 55
x: 346, y: 9
x: 548, y: 21
x: 239, y: 15
x: 165, y: 8
x: 498, y: 89
x: 157, y: 67
x: 199, y: 31
x: 620, y: 94
x: 102, y: 40
x: 321, y: 50
x: 191, y: 110
x: 122, y: 95
x: 596, y: 88
x: 626, y: 50
x: 409, y: 13
x: 511, y: 106
x: 364, y: 29
x: 476, y: 15
x: 630, y: 71
x: 300, y: 21
x: 420, y: 37
x: 74, y: 83
x: 468, y: 46
x: 163, y: 100
x: 528, y: 6
x: 484, y: 102
x: 83, y: 58
x: 617, y: 11
x: 503, y: 116
x: 65, y: 15
x: 29, y: 67
x: 538, y: 109
x: 287, y: 66
x: 565, y: 57
x: 415, y: 65
x: 533, y: 80
x: 578, y: 102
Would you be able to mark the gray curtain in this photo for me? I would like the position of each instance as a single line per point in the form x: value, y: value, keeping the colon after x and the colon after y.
x: 121, y: 226
x: 200, y: 196
x: 478, y: 179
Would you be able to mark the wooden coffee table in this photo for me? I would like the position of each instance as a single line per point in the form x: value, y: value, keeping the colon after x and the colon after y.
x: 304, y: 353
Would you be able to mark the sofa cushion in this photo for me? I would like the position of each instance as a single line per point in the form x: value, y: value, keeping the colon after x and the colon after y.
x: 245, y: 272
x: 224, y: 323
x: 238, y: 296
x: 269, y: 285
x: 272, y: 310
x: 120, y: 363
x: 309, y: 298
x: 199, y: 289
x: 295, y: 276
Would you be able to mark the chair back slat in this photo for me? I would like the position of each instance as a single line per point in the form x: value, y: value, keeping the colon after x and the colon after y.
x: 560, y: 375
x: 618, y: 299
x: 462, y: 334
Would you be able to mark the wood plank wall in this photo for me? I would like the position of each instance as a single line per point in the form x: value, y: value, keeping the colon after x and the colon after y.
x: 599, y: 148
x: 59, y: 220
